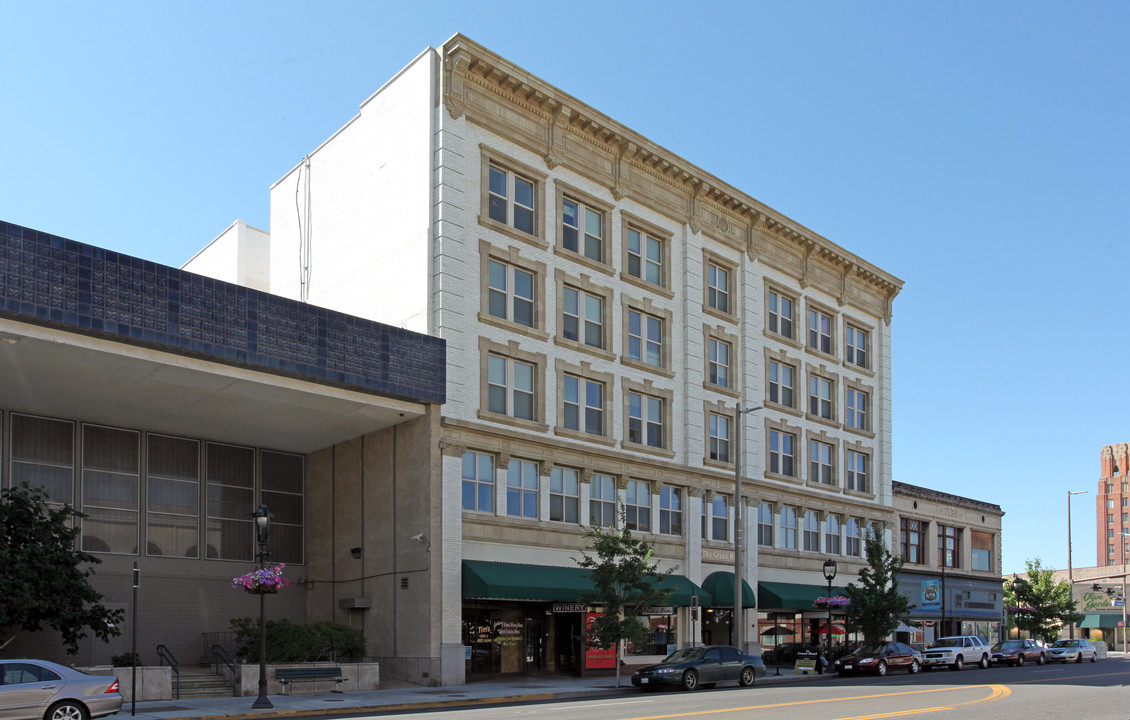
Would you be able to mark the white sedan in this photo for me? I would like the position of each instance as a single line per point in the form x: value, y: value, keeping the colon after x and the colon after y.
x: 1072, y: 651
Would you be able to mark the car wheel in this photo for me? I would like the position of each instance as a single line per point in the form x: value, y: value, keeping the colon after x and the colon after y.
x: 1019, y: 660
x: 690, y: 680
x: 1041, y: 659
x: 984, y: 664
x: 66, y: 710
x: 1095, y: 657
x: 914, y: 667
x: 749, y: 675
x: 882, y: 669
x: 958, y: 663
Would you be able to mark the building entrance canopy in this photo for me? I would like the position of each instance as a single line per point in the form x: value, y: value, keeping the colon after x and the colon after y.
x: 486, y: 579
x: 721, y: 585
x: 791, y: 596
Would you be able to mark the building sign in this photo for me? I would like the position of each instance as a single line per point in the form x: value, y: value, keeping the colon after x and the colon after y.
x: 1095, y: 601
x: 717, y: 555
x: 569, y: 607
x: 595, y: 658
x: 508, y: 633
x: 931, y: 595
x: 659, y: 610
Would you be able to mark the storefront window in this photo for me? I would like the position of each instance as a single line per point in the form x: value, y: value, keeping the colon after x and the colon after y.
x: 661, y: 637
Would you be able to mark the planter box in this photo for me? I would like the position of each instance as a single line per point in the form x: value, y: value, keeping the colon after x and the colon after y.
x: 358, y: 676
x: 154, y: 682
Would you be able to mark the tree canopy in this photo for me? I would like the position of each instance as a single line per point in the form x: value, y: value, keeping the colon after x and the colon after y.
x: 43, y: 578
x: 626, y: 581
x: 876, y: 604
x: 1042, y: 605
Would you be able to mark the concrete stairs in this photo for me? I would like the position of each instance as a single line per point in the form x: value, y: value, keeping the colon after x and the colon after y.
x: 203, y: 684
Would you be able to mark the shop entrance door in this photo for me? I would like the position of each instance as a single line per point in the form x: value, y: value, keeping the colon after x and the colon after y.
x: 535, y: 647
x: 568, y: 641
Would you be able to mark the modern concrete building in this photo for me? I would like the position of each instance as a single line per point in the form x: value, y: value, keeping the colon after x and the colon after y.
x: 606, y: 306
x: 1112, y: 507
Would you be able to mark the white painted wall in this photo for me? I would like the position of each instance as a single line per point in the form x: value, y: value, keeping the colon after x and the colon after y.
x: 240, y: 254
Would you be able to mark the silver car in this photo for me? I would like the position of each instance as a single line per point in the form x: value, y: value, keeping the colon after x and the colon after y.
x: 1072, y: 651
x: 37, y: 689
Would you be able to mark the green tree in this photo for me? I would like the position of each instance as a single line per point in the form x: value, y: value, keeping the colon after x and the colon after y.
x: 877, y: 605
x: 1044, y: 604
x: 43, y: 578
x: 626, y: 581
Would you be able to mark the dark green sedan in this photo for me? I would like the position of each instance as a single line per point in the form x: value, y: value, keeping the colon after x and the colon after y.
x: 692, y: 668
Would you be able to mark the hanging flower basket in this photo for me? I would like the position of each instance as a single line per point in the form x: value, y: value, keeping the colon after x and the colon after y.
x: 1021, y: 609
x: 837, y: 601
x: 262, y: 582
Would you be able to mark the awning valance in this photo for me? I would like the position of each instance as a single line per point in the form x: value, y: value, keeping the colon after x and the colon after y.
x: 721, y: 585
x: 791, y: 596
x: 487, y: 579
x: 1100, y: 620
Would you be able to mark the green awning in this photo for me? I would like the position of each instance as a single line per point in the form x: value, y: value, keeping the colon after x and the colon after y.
x: 1100, y: 620
x: 791, y: 596
x: 486, y: 579
x: 721, y: 585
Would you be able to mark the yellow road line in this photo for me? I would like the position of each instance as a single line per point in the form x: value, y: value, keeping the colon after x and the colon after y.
x: 999, y: 691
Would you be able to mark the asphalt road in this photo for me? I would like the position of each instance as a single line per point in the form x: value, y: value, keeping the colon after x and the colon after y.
x: 1098, y: 691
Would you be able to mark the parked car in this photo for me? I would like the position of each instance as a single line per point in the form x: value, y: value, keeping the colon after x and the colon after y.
x: 1018, y: 652
x: 879, y: 658
x: 41, y: 690
x: 1076, y: 650
x: 957, y: 651
x: 691, y: 668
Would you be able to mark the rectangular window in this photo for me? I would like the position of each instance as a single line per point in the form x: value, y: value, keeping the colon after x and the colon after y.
x: 718, y: 288
x: 230, y: 473
x: 910, y: 539
x: 645, y: 338
x: 582, y: 317
x: 811, y: 536
x: 788, y: 527
x: 564, y: 495
x: 949, y: 546
x: 855, y: 346
x: 582, y: 229
x: 583, y: 404
x: 719, y: 518
x: 981, y: 550
x: 851, y: 533
x: 111, y: 479
x: 510, y: 387
x: 478, y: 482
x: 782, y: 384
x: 172, y: 508
x: 719, y: 437
x: 670, y: 510
x: 765, y: 524
x: 820, y: 397
x: 857, y: 472
x: 43, y: 455
x: 637, y: 506
x: 283, y: 483
x: 832, y: 535
x: 645, y: 420
x: 820, y: 331
x: 511, y: 293
x: 820, y: 462
x: 856, y: 409
x: 719, y: 362
x: 602, y: 501
x: 511, y: 199
x: 781, y: 453
x: 781, y: 314
x: 522, y: 489
x: 645, y: 257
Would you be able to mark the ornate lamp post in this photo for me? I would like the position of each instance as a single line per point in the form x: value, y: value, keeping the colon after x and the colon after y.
x: 262, y: 519
x: 829, y: 575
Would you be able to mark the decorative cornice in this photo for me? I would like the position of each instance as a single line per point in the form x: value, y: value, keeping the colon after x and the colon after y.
x: 451, y: 449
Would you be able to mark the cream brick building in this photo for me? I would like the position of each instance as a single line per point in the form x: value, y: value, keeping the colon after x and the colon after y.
x: 606, y: 305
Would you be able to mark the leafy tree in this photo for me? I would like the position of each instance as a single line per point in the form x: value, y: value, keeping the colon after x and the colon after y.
x: 626, y: 582
x: 43, y: 578
x: 877, y: 605
x: 1044, y: 604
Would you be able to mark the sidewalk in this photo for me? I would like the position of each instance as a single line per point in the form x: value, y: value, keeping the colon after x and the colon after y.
x: 399, y: 696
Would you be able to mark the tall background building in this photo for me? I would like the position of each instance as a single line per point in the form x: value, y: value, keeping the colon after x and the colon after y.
x: 1112, y: 521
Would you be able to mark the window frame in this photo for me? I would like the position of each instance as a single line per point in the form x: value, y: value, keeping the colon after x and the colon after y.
x: 712, y: 264
x: 765, y: 523
x: 718, y: 447
x: 491, y: 157
x: 775, y: 320
x: 608, y: 485
x: 911, y: 532
x: 583, y: 284
x: 776, y: 361
x: 851, y: 349
x: 557, y: 476
x: 720, y: 521
x: 810, y: 532
x: 477, y: 483
x: 775, y: 434
x: 669, y: 516
x: 528, y: 495
x: 789, y: 527
x: 819, y: 408
x: 974, y: 551
x: 853, y: 537
x: 855, y: 420
x: 633, y: 511
x: 822, y: 469
x: 512, y: 352
x: 833, y: 534
x: 646, y: 310
x: 512, y: 259
x: 852, y: 473
x: 949, y: 546
x: 647, y: 390
x: 821, y: 311
x: 584, y: 202
x: 630, y: 223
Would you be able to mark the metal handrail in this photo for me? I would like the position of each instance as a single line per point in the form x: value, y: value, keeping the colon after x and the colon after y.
x: 221, y: 656
x: 164, y: 654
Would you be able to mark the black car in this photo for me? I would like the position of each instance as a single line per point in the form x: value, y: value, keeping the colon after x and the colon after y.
x: 691, y: 668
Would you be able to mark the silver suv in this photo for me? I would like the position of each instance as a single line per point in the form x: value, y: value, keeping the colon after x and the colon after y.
x: 957, y: 651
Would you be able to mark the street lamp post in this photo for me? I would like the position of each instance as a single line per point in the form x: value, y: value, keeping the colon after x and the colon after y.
x: 1070, y: 577
x: 1018, y: 586
x: 262, y: 519
x: 829, y: 575
x: 737, y: 631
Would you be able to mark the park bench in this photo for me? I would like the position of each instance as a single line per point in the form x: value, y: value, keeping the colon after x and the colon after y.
x: 286, y: 676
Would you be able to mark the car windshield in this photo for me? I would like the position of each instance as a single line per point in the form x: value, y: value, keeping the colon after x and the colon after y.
x: 1010, y: 645
x: 684, y: 655
x: 865, y: 650
x: 947, y: 642
x: 1066, y: 643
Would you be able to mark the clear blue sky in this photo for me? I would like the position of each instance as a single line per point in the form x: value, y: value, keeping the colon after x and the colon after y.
x: 977, y: 150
